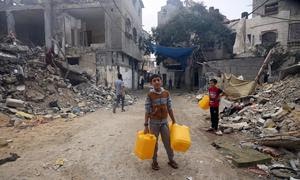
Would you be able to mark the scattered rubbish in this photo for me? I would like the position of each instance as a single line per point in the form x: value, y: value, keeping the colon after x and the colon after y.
x: 272, y: 151
x: 24, y: 115
x: 283, y: 172
x: 263, y: 167
x: 13, y: 157
x: 59, y: 163
x: 257, y: 171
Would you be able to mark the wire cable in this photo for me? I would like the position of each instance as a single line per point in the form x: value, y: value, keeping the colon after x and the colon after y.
x: 255, y: 9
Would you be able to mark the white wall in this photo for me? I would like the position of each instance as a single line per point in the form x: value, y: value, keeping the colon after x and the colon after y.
x: 127, y: 76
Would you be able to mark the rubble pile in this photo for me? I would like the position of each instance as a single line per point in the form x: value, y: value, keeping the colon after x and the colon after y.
x: 32, y: 92
x: 270, y: 121
x: 274, y: 109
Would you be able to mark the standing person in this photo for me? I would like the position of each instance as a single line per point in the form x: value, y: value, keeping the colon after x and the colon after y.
x: 142, y: 82
x: 266, y: 77
x: 49, y: 57
x: 158, y: 105
x: 214, y: 102
x: 120, y: 92
x: 170, y: 84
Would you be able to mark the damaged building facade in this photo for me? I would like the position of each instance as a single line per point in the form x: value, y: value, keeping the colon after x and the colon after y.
x: 272, y: 22
x: 99, y: 37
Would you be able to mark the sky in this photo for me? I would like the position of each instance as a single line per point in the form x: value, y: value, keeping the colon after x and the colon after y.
x: 232, y: 9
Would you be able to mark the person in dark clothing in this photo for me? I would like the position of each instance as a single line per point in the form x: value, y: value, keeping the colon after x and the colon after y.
x: 266, y: 77
x: 214, y: 103
x: 49, y: 57
x: 142, y: 83
x: 170, y: 84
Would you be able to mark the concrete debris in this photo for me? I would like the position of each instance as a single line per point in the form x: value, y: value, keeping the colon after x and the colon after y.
x: 269, y: 123
x: 32, y: 92
x: 270, y: 117
x: 14, y: 103
x: 24, y: 115
x: 257, y: 171
x: 241, y: 157
x: 273, y: 109
x: 235, y: 126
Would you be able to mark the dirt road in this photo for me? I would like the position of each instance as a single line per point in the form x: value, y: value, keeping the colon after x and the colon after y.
x: 100, y: 146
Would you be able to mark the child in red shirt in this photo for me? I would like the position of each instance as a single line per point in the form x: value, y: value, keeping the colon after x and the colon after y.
x: 214, y: 102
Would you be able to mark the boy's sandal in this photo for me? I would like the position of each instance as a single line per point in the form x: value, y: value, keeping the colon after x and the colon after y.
x: 173, y: 164
x: 155, y: 166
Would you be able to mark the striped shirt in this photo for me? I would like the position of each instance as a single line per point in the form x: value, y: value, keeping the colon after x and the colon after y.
x: 158, y: 104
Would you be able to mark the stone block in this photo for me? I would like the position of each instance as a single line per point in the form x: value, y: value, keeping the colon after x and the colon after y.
x: 16, y: 103
x: 242, y: 157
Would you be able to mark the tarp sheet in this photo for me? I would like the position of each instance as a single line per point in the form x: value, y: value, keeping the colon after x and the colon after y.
x: 236, y: 88
x: 179, y: 54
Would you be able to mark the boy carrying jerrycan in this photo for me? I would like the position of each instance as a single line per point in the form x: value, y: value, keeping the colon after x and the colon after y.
x: 212, y: 102
x: 158, y: 105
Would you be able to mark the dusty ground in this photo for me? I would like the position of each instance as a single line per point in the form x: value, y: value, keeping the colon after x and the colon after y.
x: 100, y: 146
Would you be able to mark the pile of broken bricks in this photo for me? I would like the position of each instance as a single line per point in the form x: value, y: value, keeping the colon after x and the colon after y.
x: 270, y: 123
x: 32, y: 92
x: 274, y: 109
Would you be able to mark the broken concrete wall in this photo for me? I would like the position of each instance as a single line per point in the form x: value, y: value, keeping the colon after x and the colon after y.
x: 109, y: 64
x: 3, y: 24
x: 88, y: 63
x: 127, y: 76
x: 273, y: 17
x: 248, y: 67
x: 91, y: 40
x: 71, y: 29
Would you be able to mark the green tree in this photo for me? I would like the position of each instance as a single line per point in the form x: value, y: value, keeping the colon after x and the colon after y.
x: 194, y: 25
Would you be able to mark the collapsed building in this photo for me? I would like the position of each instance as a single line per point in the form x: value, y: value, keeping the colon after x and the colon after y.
x: 99, y: 37
x: 273, y: 22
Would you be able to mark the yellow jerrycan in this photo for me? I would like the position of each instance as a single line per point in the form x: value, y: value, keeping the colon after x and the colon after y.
x: 144, y: 145
x: 180, y: 137
x: 204, y: 102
